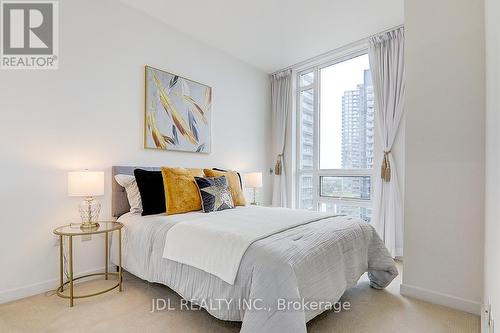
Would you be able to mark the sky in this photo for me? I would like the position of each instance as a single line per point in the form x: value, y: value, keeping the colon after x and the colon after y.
x: 336, y: 79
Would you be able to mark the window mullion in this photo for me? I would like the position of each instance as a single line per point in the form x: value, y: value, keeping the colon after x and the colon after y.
x: 316, y: 144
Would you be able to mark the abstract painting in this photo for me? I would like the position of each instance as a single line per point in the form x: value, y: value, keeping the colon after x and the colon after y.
x: 178, y: 113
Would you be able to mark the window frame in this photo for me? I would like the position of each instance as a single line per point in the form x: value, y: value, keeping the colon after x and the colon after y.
x: 316, y: 172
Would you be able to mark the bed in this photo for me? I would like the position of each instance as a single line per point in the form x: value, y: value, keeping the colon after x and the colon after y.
x: 279, y: 277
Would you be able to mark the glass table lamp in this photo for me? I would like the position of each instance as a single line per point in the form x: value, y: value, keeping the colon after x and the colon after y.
x: 88, y: 184
x: 253, y: 180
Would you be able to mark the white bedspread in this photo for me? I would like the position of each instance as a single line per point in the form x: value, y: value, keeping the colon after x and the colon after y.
x: 216, y: 243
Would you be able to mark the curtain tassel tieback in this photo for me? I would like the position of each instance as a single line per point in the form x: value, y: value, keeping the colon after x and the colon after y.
x: 386, y: 167
x: 278, y: 166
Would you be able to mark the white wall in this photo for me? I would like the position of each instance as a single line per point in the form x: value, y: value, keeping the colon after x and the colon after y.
x: 89, y: 114
x: 444, y: 208
x: 492, y: 227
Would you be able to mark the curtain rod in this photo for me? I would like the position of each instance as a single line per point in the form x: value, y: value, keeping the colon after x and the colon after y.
x: 339, y: 49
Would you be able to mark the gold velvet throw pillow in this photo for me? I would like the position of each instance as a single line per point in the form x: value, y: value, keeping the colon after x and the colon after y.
x: 233, y: 182
x: 181, y: 192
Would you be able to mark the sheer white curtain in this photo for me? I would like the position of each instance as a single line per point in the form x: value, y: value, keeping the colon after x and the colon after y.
x: 281, y: 96
x: 386, y: 54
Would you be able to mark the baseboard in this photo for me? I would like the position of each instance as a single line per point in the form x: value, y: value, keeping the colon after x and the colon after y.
x: 441, y: 299
x: 38, y: 288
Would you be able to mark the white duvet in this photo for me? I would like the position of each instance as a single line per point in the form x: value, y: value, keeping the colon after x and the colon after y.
x: 216, y: 243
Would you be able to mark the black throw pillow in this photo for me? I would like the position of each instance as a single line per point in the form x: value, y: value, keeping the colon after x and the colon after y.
x: 214, y: 193
x: 150, y: 184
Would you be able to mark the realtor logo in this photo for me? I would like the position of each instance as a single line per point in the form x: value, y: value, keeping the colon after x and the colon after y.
x: 30, y: 35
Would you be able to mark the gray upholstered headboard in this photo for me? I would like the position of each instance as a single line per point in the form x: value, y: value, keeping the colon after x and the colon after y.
x: 119, y: 201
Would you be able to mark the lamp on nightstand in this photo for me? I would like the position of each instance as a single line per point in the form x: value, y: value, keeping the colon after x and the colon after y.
x: 87, y: 184
x: 253, y: 180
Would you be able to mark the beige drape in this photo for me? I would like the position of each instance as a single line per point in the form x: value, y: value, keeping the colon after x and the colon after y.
x: 281, y: 97
x: 388, y: 72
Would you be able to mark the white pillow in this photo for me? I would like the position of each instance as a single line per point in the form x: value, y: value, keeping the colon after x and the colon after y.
x: 133, y: 194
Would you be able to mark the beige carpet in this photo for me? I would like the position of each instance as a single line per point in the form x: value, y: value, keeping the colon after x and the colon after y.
x: 371, y: 311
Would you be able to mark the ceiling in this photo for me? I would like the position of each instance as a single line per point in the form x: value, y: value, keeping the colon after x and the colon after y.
x: 273, y: 34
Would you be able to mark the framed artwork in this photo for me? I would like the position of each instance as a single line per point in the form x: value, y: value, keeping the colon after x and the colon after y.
x: 177, y: 113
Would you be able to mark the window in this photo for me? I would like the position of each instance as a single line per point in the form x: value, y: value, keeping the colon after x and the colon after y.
x: 336, y: 137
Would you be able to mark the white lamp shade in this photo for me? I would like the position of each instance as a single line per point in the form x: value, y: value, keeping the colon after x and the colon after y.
x: 85, y: 183
x: 253, y: 180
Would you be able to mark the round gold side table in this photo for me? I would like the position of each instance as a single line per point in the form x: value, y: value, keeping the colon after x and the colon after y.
x: 72, y: 230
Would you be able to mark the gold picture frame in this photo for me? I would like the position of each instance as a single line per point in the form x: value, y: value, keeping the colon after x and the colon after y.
x: 177, y: 113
